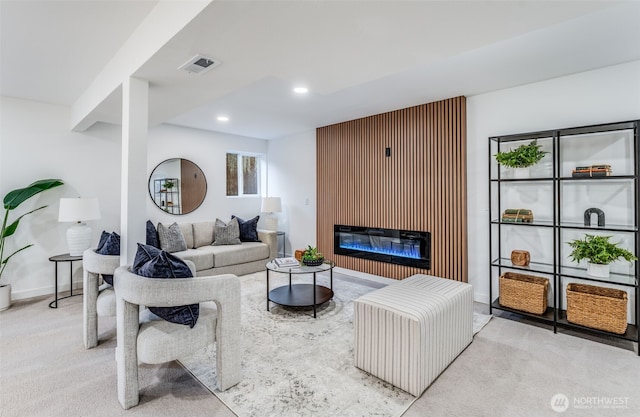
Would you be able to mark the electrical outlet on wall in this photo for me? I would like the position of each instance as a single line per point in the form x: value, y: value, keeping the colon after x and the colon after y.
x: 306, y: 201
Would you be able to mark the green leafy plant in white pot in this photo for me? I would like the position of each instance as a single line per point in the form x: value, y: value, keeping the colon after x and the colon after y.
x: 11, y: 201
x: 599, y: 253
x: 521, y: 158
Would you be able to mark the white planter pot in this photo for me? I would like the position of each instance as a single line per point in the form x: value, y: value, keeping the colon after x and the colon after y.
x: 598, y: 270
x: 5, y: 296
x: 520, y: 173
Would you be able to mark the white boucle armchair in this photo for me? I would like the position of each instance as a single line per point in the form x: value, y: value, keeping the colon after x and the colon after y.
x: 157, y: 341
x: 98, y: 300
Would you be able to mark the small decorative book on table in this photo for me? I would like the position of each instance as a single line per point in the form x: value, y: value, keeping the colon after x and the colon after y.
x: 286, y: 262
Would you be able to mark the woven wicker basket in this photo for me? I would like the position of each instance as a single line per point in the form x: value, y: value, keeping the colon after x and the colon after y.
x: 524, y: 292
x: 597, y: 307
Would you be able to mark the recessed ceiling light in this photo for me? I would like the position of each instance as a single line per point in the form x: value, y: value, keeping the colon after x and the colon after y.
x: 223, y: 118
x: 301, y: 90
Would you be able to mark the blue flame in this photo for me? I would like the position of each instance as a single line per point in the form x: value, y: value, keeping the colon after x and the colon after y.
x: 413, y: 251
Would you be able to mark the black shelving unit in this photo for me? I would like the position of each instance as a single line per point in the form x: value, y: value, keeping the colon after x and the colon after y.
x: 168, y: 199
x: 559, y: 198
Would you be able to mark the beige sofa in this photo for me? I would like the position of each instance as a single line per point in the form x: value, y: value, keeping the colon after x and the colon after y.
x: 240, y: 259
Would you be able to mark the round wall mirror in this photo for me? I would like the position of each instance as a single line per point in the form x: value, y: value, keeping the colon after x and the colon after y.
x: 177, y: 186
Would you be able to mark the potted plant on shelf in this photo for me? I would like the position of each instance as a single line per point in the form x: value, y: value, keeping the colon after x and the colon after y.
x: 11, y: 201
x: 168, y: 185
x: 599, y: 253
x: 521, y: 158
x: 311, y: 257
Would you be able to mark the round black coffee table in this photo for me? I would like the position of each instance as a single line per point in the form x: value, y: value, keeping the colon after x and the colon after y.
x: 300, y: 295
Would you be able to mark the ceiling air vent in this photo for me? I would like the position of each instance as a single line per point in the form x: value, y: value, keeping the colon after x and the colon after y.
x: 199, y: 64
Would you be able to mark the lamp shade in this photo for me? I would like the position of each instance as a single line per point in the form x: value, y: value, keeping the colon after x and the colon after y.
x: 271, y: 205
x: 78, y: 209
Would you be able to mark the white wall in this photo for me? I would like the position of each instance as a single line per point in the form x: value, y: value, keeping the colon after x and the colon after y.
x: 37, y: 144
x: 606, y: 95
x: 292, y: 176
x: 207, y: 150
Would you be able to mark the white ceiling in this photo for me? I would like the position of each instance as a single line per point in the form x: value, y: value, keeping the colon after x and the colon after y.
x: 357, y: 57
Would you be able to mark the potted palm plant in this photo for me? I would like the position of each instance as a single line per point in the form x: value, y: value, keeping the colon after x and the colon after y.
x: 599, y: 253
x: 11, y: 201
x: 521, y: 158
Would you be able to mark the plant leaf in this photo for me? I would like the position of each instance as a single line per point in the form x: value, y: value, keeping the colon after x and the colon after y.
x: 5, y: 260
x: 9, y: 230
x: 16, y: 197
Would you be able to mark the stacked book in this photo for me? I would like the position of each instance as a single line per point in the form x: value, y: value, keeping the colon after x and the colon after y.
x: 591, y: 171
x: 286, y: 262
x: 517, y: 216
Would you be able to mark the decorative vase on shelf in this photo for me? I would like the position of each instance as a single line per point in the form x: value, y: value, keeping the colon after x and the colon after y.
x: 598, y: 270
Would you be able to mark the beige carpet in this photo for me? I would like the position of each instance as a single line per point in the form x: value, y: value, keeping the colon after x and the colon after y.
x: 45, y: 371
x: 510, y: 369
x: 295, y: 365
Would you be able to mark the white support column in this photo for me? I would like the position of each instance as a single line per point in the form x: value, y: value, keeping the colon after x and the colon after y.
x: 135, y: 126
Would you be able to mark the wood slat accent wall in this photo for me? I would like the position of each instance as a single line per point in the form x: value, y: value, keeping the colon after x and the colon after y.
x: 421, y: 186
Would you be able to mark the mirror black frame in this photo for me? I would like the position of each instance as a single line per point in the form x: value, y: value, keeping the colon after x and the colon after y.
x: 164, y: 192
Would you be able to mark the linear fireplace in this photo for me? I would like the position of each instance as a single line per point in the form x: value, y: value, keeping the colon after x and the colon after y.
x: 401, y: 247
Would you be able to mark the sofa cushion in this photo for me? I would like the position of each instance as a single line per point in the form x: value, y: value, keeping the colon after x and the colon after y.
x: 238, y: 254
x: 171, y: 238
x: 187, y: 233
x: 109, y: 244
x: 202, y: 257
x: 203, y: 233
x: 152, y: 235
x: 248, y: 229
x: 165, y: 265
x: 227, y: 234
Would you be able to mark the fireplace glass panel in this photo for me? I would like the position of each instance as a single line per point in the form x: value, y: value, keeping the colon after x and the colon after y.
x: 402, y: 247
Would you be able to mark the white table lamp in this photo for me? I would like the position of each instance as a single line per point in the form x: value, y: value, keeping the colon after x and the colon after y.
x: 271, y: 205
x: 78, y: 210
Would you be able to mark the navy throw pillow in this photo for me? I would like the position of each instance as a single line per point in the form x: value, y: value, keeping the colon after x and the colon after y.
x: 109, y: 244
x: 152, y: 235
x: 144, y: 254
x: 248, y: 229
x: 151, y: 262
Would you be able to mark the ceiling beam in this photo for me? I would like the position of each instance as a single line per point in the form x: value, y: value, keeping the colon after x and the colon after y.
x: 166, y: 19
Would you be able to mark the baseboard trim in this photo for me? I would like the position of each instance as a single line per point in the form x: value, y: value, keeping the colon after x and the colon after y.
x: 364, y: 275
x: 49, y: 290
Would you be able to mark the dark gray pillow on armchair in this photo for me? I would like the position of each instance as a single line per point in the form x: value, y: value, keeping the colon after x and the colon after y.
x: 152, y: 262
x: 109, y: 244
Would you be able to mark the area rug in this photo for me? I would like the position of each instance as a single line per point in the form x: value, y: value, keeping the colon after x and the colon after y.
x: 479, y: 321
x: 295, y: 365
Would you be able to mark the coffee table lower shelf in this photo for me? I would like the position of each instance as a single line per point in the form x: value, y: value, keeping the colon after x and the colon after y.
x: 300, y: 295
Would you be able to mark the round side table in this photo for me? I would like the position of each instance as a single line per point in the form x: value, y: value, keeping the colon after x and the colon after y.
x: 64, y: 258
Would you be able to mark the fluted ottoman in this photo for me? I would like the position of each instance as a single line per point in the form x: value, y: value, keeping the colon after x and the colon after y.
x: 407, y: 333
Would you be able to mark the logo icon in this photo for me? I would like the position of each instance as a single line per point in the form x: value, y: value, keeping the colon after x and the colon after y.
x: 559, y: 403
